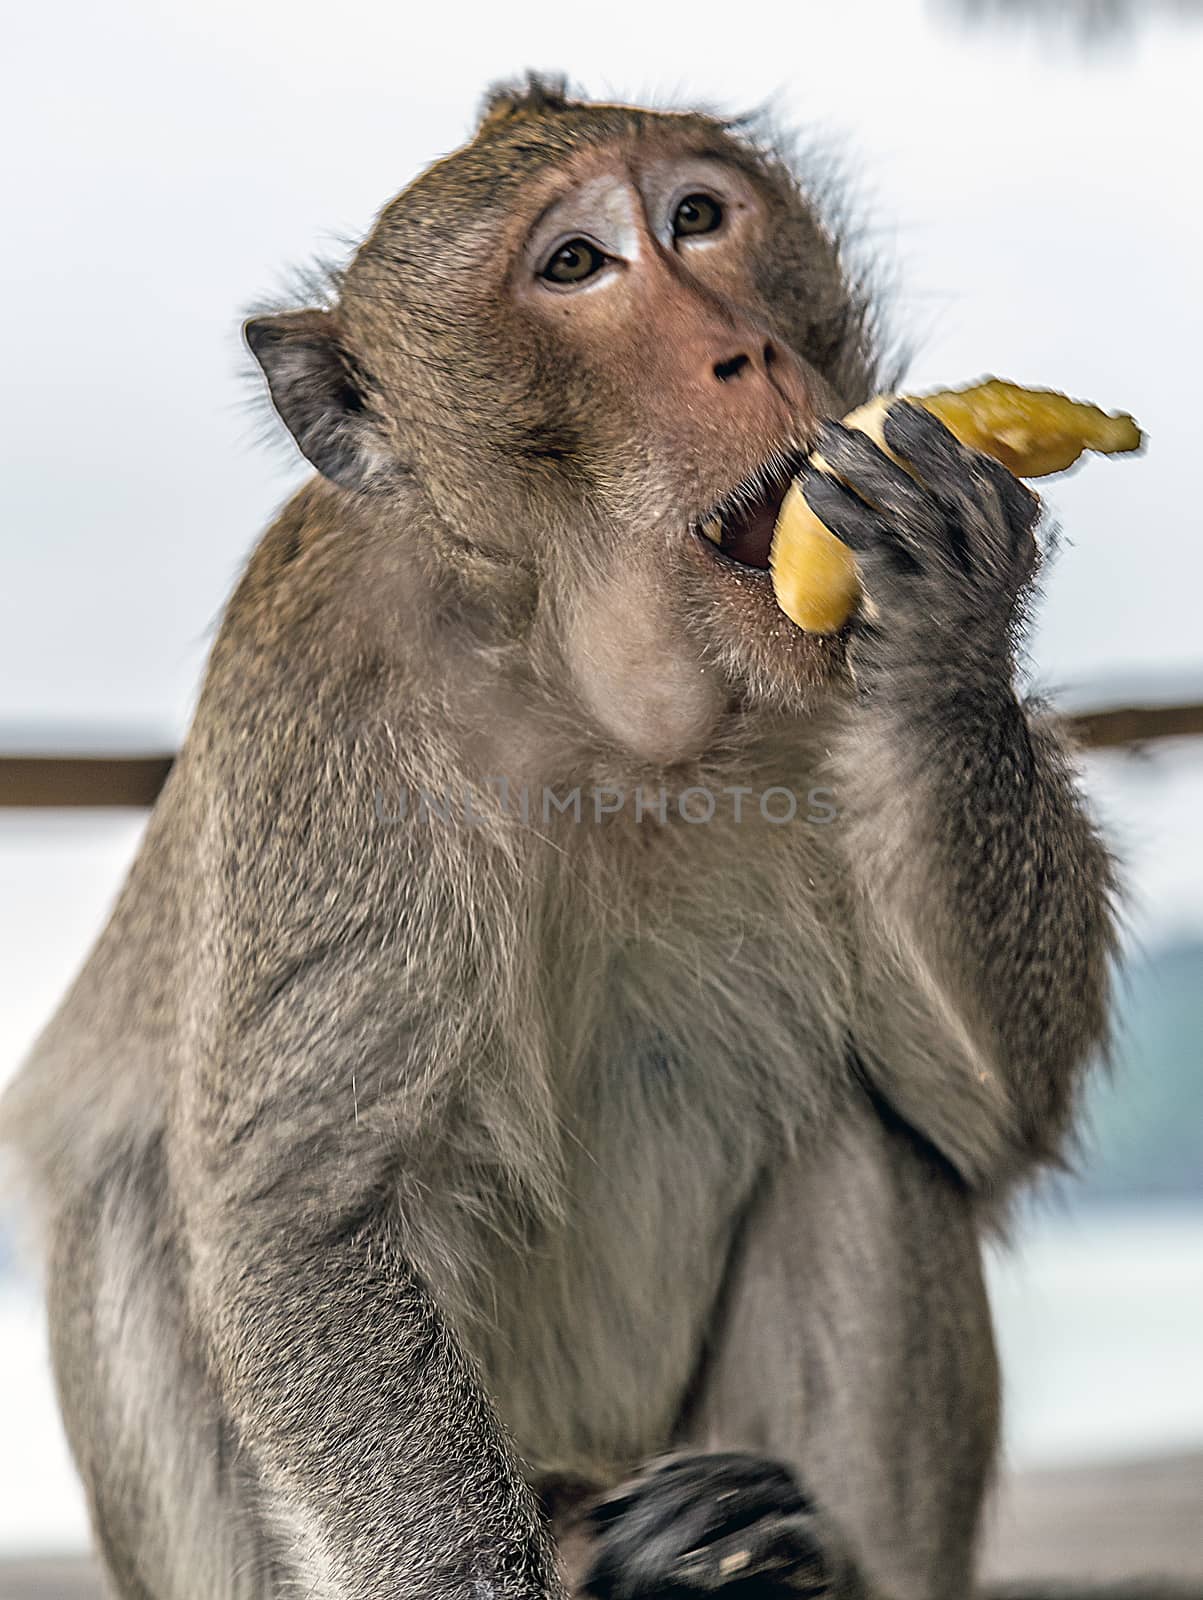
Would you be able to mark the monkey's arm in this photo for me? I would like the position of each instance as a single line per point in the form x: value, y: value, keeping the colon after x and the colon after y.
x: 984, y: 892
x: 311, y: 1101
x: 379, y: 1453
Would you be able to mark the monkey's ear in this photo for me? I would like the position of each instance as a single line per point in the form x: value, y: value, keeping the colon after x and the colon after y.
x: 314, y: 388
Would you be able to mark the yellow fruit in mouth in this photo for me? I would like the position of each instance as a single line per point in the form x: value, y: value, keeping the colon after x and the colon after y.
x: 1032, y: 432
x: 815, y: 576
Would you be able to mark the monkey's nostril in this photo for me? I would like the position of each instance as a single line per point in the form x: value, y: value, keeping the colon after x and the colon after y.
x: 770, y: 354
x: 725, y: 370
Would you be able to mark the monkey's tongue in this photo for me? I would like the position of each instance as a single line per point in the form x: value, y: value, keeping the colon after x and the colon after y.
x: 748, y: 532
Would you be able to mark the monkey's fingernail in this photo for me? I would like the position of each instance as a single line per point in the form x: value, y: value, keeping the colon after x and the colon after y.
x: 713, y: 529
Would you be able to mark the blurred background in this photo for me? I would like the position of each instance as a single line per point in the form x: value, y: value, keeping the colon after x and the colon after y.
x: 1027, y: 173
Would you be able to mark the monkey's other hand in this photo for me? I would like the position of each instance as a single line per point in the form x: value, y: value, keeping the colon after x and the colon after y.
x: 945, y: 551
x: 694, y: 1524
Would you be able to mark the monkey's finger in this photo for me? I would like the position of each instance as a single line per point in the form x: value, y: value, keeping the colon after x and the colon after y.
x: 697, y: 1496
x: 666, y: 1473
x: 853, y: 456
x: 777, y: 1553
x: 921, y: 439
x: 638, y: 1551
x: 603, y: 1512
x: 860, y: 526
x: 1021, y: 505
x: 979, y: 491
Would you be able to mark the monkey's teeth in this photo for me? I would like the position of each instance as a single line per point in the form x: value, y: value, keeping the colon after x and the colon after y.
x: 713, y: 529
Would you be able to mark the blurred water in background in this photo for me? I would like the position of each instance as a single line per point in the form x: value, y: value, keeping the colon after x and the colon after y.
x: 1033, y: 167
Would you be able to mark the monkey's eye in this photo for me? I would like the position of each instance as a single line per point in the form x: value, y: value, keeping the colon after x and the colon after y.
x: 697, y: 213
x: 574, y: 262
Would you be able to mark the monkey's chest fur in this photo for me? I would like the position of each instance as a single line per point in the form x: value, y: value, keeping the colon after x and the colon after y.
x: 702, y: 1042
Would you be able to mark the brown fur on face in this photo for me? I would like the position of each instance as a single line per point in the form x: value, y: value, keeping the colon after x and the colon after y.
x: 548, y: 455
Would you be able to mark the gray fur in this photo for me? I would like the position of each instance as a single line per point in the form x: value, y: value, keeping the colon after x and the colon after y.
x: 376, y: 1154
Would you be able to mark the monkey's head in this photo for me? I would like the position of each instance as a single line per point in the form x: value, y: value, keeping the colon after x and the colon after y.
x: 578, y: 360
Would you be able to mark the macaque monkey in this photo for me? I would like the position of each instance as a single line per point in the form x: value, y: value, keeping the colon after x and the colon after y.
x: 534, y: 1111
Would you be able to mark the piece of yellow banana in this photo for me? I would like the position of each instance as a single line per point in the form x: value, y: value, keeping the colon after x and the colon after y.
x: 1031, y: 431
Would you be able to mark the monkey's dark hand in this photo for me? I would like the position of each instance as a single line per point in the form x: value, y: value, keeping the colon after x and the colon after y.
x: 693, y: 1524
x: 944, y: 561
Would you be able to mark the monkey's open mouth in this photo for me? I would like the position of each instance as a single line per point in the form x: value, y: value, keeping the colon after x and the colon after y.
x: 740, y: 526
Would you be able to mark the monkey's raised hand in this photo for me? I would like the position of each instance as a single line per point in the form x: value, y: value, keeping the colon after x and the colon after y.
x: 945, y: 554
x: 694, y: 1524
x: 964, y: 833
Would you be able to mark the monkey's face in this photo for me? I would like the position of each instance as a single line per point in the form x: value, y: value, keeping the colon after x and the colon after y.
x: 596, y: 343
x: 640, y: 279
